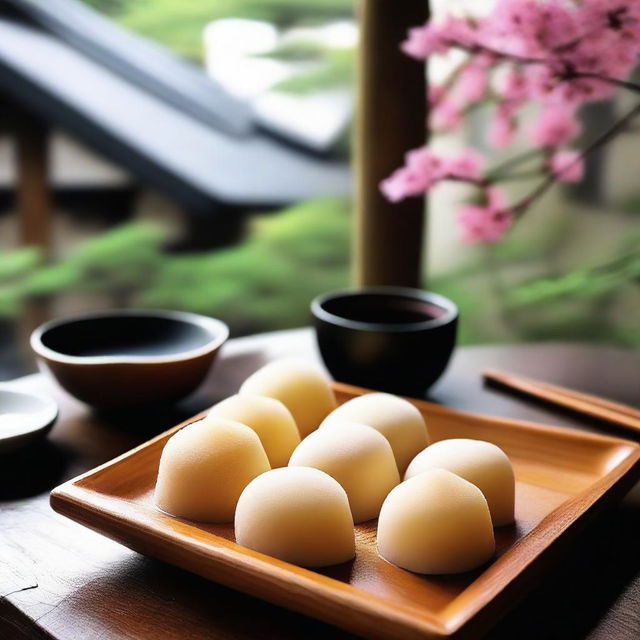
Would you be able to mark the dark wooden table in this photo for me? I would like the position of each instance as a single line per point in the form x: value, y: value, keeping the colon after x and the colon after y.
x: 60, y: 580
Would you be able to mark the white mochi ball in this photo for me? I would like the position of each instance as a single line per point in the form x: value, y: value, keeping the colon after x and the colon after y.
x: 269, y: 418
x: 297, y: 514
x: 204, y: 468
x: 396, y: 419
x: 436, y: 523
x: 300, y: 386
x: 359, y: 458
x: 482, y: 463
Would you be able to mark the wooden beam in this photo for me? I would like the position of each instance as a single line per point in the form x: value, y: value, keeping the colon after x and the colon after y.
x: 33, y: 196
x: 391, y: 119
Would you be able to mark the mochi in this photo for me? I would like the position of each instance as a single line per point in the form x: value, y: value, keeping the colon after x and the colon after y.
x: 395, y: 418
x: 359, y: 458
x: 436, y: 522
x: 204, y: 468
x: 297, y: 514
x: 269, y: 418
x: 300, y: 386
x: 482, y: 463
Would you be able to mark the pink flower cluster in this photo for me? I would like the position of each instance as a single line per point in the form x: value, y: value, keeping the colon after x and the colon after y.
x: 486, y: 223
x: 557, y: 54
x: 424, y: 168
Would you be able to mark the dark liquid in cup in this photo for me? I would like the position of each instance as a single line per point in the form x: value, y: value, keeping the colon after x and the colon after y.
x: 384, y: 309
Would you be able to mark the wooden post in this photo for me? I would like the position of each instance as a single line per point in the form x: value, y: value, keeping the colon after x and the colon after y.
x: 391, y: 119
x: 33, y: 197
x: 34, y: 203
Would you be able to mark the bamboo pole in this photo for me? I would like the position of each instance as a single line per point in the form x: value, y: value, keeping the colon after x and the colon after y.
x: 391, y: 119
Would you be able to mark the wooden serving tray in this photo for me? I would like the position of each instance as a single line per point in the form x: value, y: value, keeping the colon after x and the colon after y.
x: 562, y: 476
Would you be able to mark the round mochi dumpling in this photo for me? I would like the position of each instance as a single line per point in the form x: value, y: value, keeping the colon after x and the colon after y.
x: 436, y: 523
x: 359, y: 458
x: 204, y: 468
x: 482, y: 463
x: 300, y: 386
x: 269, y: 418
x: 395, y: 418
x: 296, y: 514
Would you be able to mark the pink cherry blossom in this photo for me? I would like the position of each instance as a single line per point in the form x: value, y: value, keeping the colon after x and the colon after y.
x: 554, y: 127
x: 514, y: 86
x: 424, y: 41
x: 422, y: 170
x: 468, y: 164
x: 485, y: 223
x: 402, y: 183
x: 446, y: 115
x: 426, y: 162
x: 528, y: 27
x: 621, y: 17
x: 567, y: 165
x: 435, y: 93
x: 459, y: 30
x: 496, y: 197
x: 502, y: 128
x: 553, y: 54
x: 472, y: 84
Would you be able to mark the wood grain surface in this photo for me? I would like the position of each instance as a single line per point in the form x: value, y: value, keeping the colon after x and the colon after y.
x: 61, y: 580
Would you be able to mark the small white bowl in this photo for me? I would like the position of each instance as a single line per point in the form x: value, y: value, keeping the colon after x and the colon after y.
x: 24, y: 417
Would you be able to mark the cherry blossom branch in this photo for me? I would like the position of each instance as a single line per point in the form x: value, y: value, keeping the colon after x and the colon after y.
x: 585, y: 75
x: 552, y: 178
x: 569, y: 73
x: 582, y: 50
x: 513, y: 177
x: 513, y: 161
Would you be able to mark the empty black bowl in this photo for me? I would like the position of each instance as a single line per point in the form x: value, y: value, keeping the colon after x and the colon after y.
x: 387, y: 338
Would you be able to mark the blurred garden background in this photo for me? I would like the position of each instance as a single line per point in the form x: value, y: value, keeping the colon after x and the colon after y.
x: 569, y: 272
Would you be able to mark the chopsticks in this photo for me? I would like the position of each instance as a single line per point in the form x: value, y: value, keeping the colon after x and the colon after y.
x: 582, y: 403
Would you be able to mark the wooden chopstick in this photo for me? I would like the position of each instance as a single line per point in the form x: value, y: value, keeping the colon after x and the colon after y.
x: 601, y: 402
x: 583, y: 403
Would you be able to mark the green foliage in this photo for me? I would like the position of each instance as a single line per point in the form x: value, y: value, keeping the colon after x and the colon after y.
x: 109, y: 7
x: 297, y: 51
x: 14, y: 267
x: 119, y: 261
x: 267, y: 282
x: 18, y: 263
x: 10, y: 301
x: 336, y: 70
x: 289, y: 257
x: 631, y: 205
x: 179, y: 25
x: 333, y: 67
x: 589, y: 283
x: 264, y: 283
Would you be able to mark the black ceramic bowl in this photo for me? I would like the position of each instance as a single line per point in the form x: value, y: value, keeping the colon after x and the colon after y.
x: 130, y: 358
x: 387, y: 338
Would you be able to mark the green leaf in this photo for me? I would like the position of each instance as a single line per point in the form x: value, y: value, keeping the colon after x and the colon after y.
x: 336, y: 72
x: 14, y: 264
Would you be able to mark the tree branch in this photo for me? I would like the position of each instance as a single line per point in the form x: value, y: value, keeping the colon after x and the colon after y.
x: 524, y: 60
x: 552, y: 178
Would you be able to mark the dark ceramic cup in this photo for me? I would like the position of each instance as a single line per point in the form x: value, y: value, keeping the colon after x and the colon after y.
x: 386, y: 338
